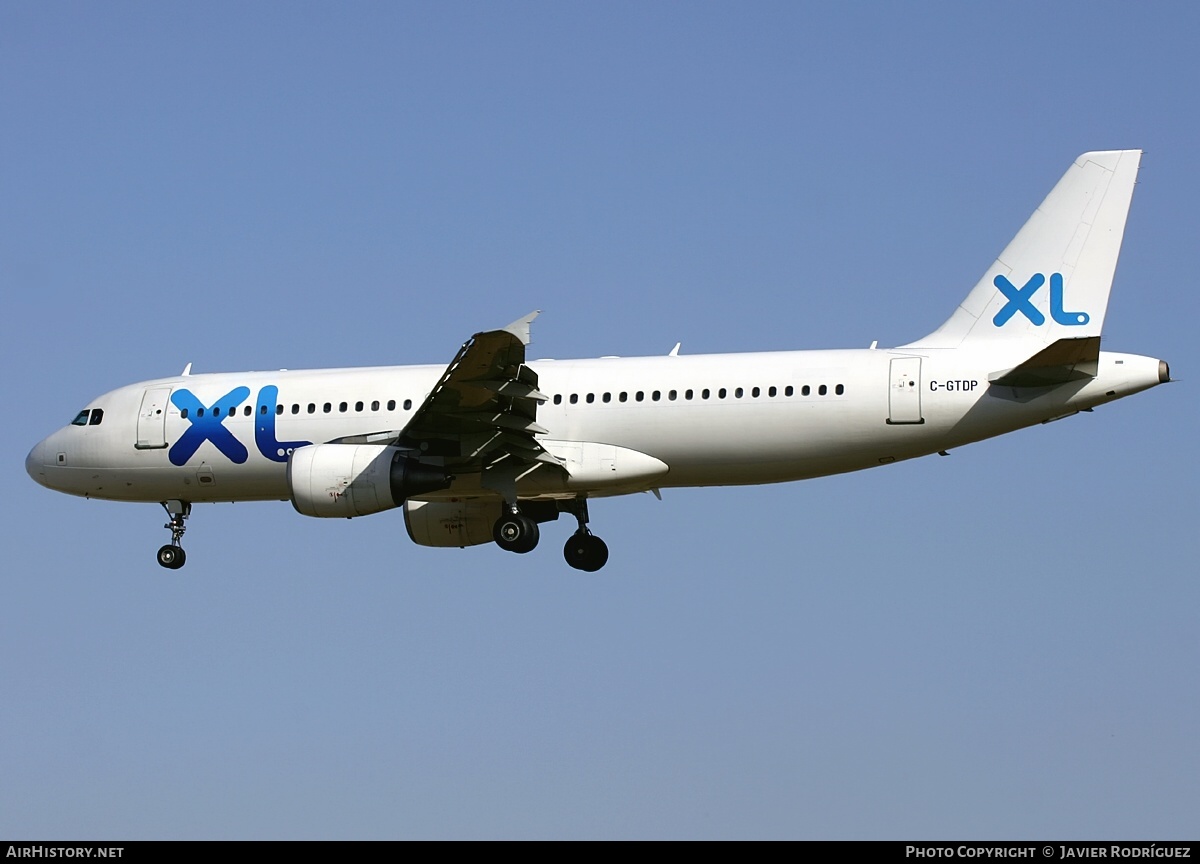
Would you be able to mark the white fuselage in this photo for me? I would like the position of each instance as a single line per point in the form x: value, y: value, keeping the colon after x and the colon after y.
x: 711, y: 420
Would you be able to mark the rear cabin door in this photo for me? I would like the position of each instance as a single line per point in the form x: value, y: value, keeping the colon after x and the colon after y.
x: 152, y: 419
x: 904, y: 394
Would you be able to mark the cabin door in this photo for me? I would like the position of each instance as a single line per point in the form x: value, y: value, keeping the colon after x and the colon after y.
x: 152, y: 419
x: 904, y: 394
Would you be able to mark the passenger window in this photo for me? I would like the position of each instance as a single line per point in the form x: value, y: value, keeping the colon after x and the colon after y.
x: 407, y: 404
x: 312, y: 408
x: 639, y: 396
x: 704, y: 393
x: 822, y: 390
x: 342, y: 407
x: 607, y: 397
x: 279, y: 409
x: 721, y: 393
x: 262, y: 409
x: 81, y: 419
x: 574, y: 398
x: 624, y: 397
x: 247, y: 411
x: 671, y: 395
x: 295, y: 407
x: 182, y: 413
x: 771, y: 392
x: 656, y: 395
x: 687, y: 395
x: 199, y: 412
x: 755, y: 392
x: 839, y: 390
x: 375, y: 405
x: 591, y: 397
x: 391, y: 404
x: 358, y: 406
x: 97, y: 417
x: 805, y: 390
x: 738, y: 392
x: 788, y: 391
x: 557, y: 398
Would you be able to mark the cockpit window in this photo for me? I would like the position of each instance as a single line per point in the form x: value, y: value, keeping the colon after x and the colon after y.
x: 81, y: 418
x: 97, y: 416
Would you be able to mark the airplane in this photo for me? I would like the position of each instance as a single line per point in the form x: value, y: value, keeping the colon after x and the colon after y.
x: 492, y: 446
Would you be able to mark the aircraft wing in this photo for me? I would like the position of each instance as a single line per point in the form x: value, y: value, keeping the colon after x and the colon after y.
x: 481, y: 415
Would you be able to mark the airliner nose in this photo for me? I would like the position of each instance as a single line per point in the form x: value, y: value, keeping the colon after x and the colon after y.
x: 35, y: 463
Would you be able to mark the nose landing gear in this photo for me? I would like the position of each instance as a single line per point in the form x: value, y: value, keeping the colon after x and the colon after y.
x: 172, y: 555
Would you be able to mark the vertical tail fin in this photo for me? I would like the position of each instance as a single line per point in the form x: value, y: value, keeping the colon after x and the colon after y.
x: 1052, y: 281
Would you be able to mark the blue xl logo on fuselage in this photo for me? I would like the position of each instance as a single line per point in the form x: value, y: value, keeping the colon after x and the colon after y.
x: 207, y: 424
x: 1019, y: 300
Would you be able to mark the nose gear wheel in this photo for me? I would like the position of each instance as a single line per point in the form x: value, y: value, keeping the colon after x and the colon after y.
x: 172, y: 555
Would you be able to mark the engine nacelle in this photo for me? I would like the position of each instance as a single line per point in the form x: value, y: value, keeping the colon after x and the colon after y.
x: 344, y: 480
x: 466, y: 522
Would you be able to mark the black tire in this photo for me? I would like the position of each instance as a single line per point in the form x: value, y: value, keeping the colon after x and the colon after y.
x: 171, y: 557
x: 516, y: 533
x: 586, y: 552
x: 532, y: 535
x: 508, y: 531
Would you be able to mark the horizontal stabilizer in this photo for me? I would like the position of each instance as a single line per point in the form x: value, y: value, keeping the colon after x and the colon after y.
x: 1060, y: 362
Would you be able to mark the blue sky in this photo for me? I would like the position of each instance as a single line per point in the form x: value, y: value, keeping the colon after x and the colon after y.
x: 997, y: 644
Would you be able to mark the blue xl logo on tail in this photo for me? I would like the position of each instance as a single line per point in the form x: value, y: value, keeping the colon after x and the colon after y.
x: 1019, y: 301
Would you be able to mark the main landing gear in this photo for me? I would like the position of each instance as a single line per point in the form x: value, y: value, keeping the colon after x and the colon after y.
x: 583, y: 550
x: 517, y: 531
x: 172, y: 555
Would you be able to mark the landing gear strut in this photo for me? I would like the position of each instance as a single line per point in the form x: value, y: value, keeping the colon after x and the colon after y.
x: 584, y: 550
x: 515, y: 532
x: 172, y: 555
